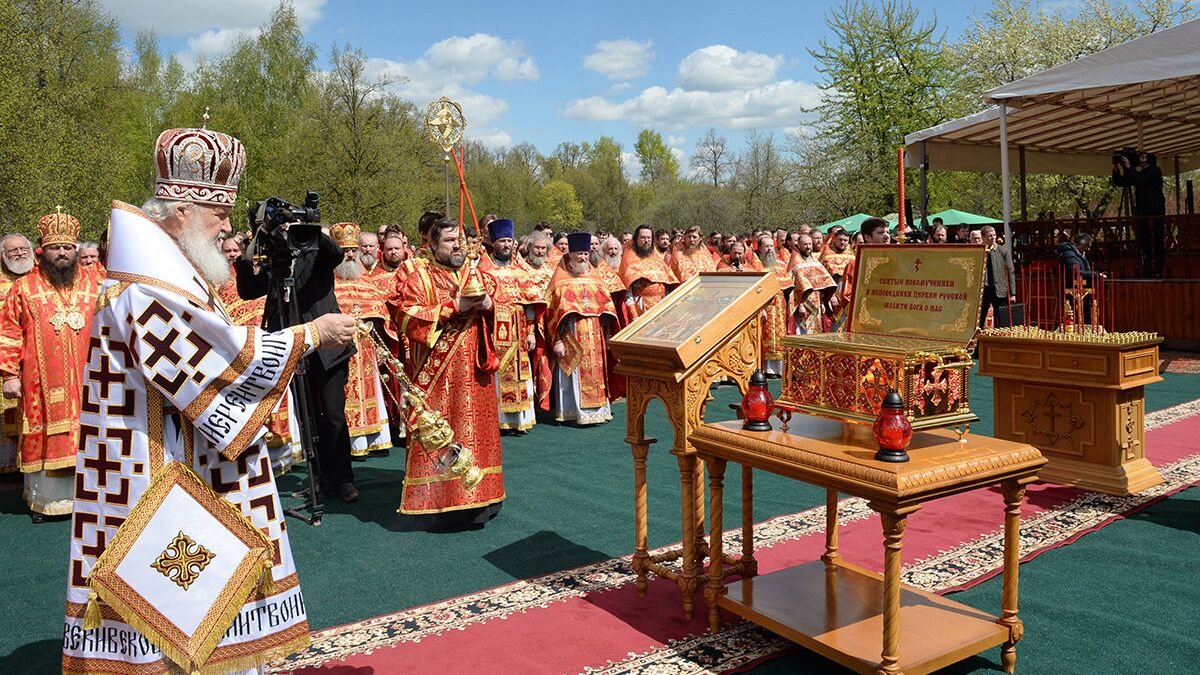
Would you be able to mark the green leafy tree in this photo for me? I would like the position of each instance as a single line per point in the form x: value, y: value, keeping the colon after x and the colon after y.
x: 557, y: 204
x: 658, y: 164
x: 885, y: 73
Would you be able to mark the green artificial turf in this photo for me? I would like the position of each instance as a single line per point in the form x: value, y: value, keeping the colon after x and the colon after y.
x: 570, y: 503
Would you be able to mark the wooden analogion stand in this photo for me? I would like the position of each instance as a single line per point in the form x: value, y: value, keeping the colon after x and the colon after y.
x: 867, y: 622
x: 707, y: 328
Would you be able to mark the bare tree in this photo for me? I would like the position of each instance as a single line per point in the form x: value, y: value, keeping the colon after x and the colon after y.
x: 711, y: 159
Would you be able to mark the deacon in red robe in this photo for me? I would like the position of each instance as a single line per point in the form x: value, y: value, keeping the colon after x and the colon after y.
x: 44, y: 338
x: 452, y: 360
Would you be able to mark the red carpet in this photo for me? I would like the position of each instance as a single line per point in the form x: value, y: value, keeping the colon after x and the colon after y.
x: 950, y: 544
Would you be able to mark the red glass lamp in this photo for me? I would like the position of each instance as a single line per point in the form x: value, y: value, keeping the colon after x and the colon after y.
x: 892, y: 429
x: 757, y: 404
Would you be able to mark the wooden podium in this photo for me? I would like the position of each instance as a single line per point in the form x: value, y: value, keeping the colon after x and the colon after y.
x: 707, y: 328
x: 1081, y: 402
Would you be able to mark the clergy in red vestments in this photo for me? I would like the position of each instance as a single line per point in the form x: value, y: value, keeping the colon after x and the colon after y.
x: 645, y: 273
x: 517, y: 305
x: 579, y: 307
x: 691, y: 257
x: 452, y: 359
x: 16, y: 260
x: 44, y: 337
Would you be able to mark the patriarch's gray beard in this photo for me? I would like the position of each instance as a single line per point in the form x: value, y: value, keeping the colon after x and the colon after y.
x: 768, y: 259
x: 536, y: 261
x: 614, y: 261
x: 349, y: 269
x: 578, y: 267
x: 206, y: 254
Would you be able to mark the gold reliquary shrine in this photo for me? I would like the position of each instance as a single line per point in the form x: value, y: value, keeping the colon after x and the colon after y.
x: 911, y: 328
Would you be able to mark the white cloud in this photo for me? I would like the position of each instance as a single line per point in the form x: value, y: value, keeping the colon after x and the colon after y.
x: 620, y: 86
x: 631, y: 164
x: 676, y: 140
x: 452, y: 67
x: 188, y: 17
x: 769, y: 106
x: 620, y: 59
x: 213, y: 43
x: 722, y: 68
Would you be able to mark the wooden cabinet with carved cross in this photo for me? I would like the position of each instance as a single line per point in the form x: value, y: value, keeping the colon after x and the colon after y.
x: 1078, y: 399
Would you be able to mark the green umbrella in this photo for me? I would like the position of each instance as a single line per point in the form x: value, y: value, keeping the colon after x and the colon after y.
x: 850, y: 223
x: 952, y: 217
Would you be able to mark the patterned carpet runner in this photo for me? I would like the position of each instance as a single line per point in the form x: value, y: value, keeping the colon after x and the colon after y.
x: 589, y: 619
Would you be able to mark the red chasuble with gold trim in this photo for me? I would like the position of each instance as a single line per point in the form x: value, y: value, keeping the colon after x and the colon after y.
x: 44, y: 337
x: 451, y: 357
x: 515, y: 294
x: 539, y: 285
x: 649, y: 279
x: 588, y: 300
x: 363, y: 298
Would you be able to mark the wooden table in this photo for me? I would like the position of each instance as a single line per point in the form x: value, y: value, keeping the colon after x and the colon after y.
x: 851, y: 615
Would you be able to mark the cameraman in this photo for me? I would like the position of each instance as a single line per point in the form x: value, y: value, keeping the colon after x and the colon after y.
x: 328, y: 371
x: 1149, y: 204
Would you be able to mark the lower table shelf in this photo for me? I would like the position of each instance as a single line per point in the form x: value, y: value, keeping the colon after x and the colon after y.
x: 836, y: 610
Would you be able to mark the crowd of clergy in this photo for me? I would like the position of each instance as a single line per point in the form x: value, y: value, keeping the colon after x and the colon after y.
x: 554, y: 299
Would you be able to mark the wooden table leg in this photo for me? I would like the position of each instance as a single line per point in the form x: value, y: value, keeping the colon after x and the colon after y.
x: 831, y: 527
x: 716, y: 570
x: 688, y: 579
x: 749, y: 564
x: 641, y: 556
x: 893, y: 537
x: 1014, y: 495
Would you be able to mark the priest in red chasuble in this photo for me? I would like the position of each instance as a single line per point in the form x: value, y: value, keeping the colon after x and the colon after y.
x: 580, y: 317
x: 43, y: 348
x: 361, y: 297
x: 691, y: 257
x: 518, y: 305
x: 645, y: 273
x: 16, y: 260
x: 815, y: 288
x: 452, y: 359
x: 540, y: 271
x: 775, y: 315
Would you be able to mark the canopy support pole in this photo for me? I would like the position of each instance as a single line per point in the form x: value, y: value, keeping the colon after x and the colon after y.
x: 925, y: 194
x: 1004, y: 183
x: 1178, y: 189
x: 1021, y: 166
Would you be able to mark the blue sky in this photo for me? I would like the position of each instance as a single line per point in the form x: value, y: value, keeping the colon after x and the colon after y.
x: 546, y: 72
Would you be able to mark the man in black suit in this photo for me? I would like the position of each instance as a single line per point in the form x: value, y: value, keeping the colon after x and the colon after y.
x: 999, y: 279
x: 328, y: 368
x: 1149, y: 206
x: 1072, y: 257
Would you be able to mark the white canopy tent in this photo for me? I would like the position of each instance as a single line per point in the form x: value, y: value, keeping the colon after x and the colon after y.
x: 1069, y: 119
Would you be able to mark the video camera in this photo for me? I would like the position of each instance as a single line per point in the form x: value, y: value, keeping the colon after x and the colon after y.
x: 1128, y: 153
x: 268, y: 215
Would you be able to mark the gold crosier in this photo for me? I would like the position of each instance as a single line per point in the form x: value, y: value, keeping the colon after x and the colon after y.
x: 445, y: 125
x: 432, y: 430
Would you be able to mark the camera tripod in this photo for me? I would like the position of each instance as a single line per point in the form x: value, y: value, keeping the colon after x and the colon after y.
x: 312, y: 509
